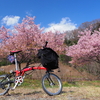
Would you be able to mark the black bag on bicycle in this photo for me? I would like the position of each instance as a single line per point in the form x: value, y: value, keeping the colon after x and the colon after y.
x: 49, y: 58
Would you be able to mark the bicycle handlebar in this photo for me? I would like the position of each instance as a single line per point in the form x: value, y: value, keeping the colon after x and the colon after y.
x: 45, y: 44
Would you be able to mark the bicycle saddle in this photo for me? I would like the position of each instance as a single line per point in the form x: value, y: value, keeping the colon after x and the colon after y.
x: 17, y: 51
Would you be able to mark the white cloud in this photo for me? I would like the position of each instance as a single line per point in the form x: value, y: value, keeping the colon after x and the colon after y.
x: 64, y: 25
x: 10, y: 20
x: 29, y: 13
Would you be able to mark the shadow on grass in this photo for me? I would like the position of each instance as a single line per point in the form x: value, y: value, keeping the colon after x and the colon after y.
x: 19, y: 94
x: 31, y: 93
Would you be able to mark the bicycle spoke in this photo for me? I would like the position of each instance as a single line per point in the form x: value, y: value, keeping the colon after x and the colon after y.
x: 51, y: 84
x: 4, y: 88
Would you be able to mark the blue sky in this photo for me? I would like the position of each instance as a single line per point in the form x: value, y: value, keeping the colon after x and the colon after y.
x: 51, y: 14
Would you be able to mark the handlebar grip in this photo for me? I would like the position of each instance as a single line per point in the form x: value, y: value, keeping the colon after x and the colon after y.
x: 45, y: 44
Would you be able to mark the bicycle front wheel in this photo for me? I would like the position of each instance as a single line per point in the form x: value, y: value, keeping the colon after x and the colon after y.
x: 51, y: 84
x: 4, y: 88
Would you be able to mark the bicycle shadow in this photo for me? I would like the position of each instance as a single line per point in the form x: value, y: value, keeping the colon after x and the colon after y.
x: 20, y: 94
x: 33, y: 93
x: 39, y: 92
x: 65, y: 92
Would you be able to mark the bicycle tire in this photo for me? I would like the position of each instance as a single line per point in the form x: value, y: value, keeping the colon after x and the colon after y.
x: 4, y: 88
x: 51, y: 84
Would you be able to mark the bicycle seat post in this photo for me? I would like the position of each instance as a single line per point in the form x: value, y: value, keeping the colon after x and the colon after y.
x: 16, y: 63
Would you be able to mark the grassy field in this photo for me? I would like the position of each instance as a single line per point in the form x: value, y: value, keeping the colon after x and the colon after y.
x: 31, y: 89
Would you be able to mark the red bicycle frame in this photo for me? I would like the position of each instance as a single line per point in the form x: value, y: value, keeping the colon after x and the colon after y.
x: 28, y: 69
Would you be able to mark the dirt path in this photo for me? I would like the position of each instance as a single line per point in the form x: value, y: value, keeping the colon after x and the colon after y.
x: 68, y: 93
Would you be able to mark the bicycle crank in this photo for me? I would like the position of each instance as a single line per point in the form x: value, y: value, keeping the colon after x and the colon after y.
x: 18, y: 81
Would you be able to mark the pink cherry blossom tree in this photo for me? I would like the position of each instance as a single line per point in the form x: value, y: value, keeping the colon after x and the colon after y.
x: 87, y: 49
x: 4, y: 36
x: 29, y: 36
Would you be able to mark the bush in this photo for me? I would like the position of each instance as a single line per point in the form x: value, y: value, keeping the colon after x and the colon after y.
x: 64, y: 59
x: 4, y: 62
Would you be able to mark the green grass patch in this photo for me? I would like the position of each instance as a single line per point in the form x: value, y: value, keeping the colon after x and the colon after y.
x: 95, y: 83
x: 31, y: 83
x: 2, y: 73
x: 70, y: 84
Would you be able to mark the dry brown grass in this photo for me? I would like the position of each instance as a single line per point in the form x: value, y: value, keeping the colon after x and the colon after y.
x: 69, y: 93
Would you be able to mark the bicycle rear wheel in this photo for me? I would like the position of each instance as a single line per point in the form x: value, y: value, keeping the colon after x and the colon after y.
x: 4, y: 88
x: 51, y: 84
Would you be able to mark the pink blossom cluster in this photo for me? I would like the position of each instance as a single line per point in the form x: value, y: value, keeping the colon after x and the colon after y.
x: 87, y: 49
